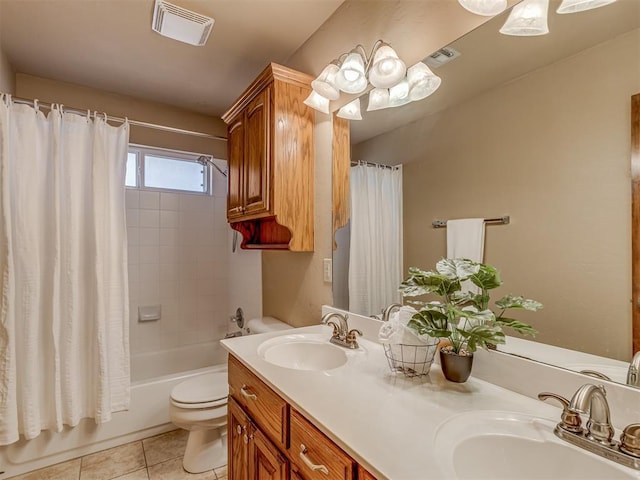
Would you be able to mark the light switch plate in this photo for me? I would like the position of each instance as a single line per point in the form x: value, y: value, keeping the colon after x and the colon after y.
x: 327, y: 270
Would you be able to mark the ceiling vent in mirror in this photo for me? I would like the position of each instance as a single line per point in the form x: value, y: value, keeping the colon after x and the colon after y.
x: 181, y: 24
x: 442, y: 56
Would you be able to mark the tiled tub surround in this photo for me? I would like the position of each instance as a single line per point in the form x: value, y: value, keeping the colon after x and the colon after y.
x: 148, y: 415
x: 178, y: 259
x: 154, y: 458
x: 411, y: 410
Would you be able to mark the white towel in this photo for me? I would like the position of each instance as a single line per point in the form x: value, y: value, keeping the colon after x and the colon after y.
x: 396, y: 331
x: 465, y: 239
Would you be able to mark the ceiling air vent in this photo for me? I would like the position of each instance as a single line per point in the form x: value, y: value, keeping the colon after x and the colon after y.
x: 181, y: 24
x: 442, y: 56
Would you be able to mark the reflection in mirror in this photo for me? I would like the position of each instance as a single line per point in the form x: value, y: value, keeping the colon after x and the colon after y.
x: 536, y: 128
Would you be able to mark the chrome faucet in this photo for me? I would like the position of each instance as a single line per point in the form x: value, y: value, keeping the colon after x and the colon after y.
x: 341, y: 334
x: 592, y: 399
x: 598, y: 436
x: 386, y: 313
x: 633, y: 375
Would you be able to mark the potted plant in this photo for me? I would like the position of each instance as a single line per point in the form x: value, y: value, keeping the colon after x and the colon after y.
x: 463, y: 317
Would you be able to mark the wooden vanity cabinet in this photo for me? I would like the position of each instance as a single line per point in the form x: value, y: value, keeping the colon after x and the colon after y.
x: 270, y: 147
x: 316, y: 456
x: 268, y: 439
x: 251, y: 455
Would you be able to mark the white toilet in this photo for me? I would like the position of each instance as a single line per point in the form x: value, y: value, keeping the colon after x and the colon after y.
x: 199, y: 405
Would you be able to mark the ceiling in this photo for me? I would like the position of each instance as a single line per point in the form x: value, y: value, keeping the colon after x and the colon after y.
x: 109, y: 45
x: 490, y: 59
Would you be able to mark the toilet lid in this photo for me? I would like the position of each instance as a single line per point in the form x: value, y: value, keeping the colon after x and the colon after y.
x: 201, y: 389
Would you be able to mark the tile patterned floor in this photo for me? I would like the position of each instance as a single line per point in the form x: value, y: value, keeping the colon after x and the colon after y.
x: 154, y: 458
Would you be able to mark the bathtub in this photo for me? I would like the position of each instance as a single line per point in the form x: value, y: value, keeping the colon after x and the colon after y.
x: 148, y: 413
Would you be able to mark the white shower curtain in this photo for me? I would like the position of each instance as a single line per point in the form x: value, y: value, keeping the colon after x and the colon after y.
x: 375, y: 256
x: 64, y: 341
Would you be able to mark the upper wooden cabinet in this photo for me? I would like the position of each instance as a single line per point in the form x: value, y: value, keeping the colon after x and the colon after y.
x: 271, y: 162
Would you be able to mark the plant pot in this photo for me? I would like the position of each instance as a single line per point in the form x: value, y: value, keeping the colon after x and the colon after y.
x: 455, y: 367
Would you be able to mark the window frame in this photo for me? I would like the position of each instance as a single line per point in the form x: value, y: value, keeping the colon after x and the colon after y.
x: 142, y: 150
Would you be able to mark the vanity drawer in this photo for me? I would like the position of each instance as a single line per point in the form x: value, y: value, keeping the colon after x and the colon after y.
x: 310, y: 447
x: 266, y: 408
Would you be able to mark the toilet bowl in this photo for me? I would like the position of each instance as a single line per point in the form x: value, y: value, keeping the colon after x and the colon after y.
x: 199, y: 405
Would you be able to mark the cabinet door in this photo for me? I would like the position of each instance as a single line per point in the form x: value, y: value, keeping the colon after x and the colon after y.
x: 266, y: 461
x: 257, y: 155
x: 235, y: 151
x: 239, y: 435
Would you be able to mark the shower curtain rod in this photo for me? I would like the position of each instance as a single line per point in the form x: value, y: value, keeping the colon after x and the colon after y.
x: 136, y: 123
x: 371, y: 164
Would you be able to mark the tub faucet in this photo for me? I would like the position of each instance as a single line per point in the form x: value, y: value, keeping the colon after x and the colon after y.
x: 633, y: 375
x: 592, y: 399
x: 341, y: 334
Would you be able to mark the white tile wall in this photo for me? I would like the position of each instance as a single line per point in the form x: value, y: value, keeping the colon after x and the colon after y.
x: 179, y: 258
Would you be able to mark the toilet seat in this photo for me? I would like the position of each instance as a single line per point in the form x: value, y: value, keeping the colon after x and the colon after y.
x: 203, y: 391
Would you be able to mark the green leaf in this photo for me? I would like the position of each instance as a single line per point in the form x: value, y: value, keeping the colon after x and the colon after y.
x: 457, y: 269
x: 517, y: 325
x: 480, y: 335
x: 511, y: 301
x: 476, y: 317
x: 487, y: 277
x: 420, y: 282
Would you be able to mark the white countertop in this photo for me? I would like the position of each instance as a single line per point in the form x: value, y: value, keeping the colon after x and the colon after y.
x: 385, y: 421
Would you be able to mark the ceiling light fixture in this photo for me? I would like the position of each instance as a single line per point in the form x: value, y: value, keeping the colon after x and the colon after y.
x: 351, y: 111
x: 317, y: 102
x: 574, y: 6
x: 486, y: 8
x: 528, y: 18
x: 354, y: 72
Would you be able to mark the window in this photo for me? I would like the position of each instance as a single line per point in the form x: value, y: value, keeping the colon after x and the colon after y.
x: 160, y: 169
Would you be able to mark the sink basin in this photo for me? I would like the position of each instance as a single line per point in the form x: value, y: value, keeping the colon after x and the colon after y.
x: 506, y: 445
x: 302, y: 352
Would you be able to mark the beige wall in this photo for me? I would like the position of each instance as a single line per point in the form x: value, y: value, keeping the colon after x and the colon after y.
x: 7, y: 75
x: 79, y: 97
x: 552, y: 150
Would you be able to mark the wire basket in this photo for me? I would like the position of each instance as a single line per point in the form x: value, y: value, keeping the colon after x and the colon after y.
x: 411, y: 360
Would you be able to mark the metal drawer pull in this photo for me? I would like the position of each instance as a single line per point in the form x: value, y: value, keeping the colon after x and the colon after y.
x: 309, y: 463
x: 245, y: 394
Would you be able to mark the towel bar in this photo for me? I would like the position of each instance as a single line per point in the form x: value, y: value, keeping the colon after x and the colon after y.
x: 493, y: 221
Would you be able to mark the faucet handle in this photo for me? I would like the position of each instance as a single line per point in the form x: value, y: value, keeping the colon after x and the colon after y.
x: 570, y: 419
x: 352, y: 337
x: 336, y: 328
x: 630, y: 440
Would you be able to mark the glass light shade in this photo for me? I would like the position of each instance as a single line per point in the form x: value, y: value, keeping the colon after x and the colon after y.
x: 317, y: 102
x: 573, y: 6
x: 386, y: 69
x: 528, y: 18
x: 378, y: 99
x: 325, y: 84
x: 399, y: 94
x: 422, y: 81
x: 351, y: 111
x: 351, y: 77
x: 487, y: 8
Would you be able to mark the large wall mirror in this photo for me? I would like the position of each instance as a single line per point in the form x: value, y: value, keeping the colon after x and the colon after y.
x: 536, y: 128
